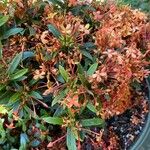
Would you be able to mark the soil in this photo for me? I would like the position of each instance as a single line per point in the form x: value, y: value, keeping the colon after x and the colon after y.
x: 121, y: 131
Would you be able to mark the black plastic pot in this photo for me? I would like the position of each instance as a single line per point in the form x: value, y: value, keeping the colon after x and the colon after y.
x: 143, y: 142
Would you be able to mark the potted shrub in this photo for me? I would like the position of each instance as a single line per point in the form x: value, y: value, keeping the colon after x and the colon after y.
x: 74, y: 75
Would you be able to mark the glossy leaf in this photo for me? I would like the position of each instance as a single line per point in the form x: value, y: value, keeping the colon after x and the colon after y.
x: 53, y: 120
x: 92, y: 69
x: 87, y: 54
x: 3, y: 19
x: 11, y: 32
x: 80, y: 69
x: 14, y: 64
x: 59, y: 97
x: 35, y: 143
x: 71, y: 141
x: 64, y: 73
x: 89, y: 45
x: 27, y: 54
x: 92, y: 122
x: 23, y: 141
x: 15, y: 97
x: 36, y: 95
x: 53, y: 30
x: 83, y: 79
x: 91, y: 107
x: 18, y: 74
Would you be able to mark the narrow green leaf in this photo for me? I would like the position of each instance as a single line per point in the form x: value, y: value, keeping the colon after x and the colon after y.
x: 92, y: 69
x: 1, y: 50
x: 60, y: 78
x: 3, y: 19
x: 71, y: 141
x: 59, y: 97
x: 2, y: 86
x: 87, y: 54
x: 53, y: 120
x: 59, y: 111
x: 83, y: 79
x: 18, y: 74
x: 11, y: 32
x: 32, y: 31
x: 27, y: 54
x: 14, y: 64
x: 54, y: 30
x: 15, y: 97
x: 91, y: 107
x: 89, y: 45
x: 23, y: 141
x: 36, y: 95
x: 92, y: 122
x: 64, y: 73
x: 3, y: 132
x: 80, y: 69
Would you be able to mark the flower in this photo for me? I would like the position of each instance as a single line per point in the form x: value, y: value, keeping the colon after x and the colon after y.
x: 71, y: 100
x: 97, y: 15
x: 38, y: 74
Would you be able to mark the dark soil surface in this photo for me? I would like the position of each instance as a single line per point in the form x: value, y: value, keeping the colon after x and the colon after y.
x: 129, y: 125
x: 121, y: 131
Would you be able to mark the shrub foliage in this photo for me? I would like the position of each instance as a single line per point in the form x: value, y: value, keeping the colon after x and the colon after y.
x: 66, y: 66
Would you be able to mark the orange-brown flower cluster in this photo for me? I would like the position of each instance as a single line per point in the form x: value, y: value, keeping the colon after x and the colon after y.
x: 120, y: 28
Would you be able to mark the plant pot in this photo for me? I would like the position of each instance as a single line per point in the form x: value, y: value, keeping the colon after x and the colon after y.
x: 143, y: 141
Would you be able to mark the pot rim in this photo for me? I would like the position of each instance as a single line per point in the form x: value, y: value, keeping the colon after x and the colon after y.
x: 146, y: 130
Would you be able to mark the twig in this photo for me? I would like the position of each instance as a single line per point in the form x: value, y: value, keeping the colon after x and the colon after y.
x: 56, y: 141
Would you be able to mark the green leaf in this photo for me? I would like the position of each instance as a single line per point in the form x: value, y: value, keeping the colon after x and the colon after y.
x: 3, y: 110
x: 71, y: 141
x: 14, y: 64
x: 60, y: 78
x: 15, y: 97
x: 92, y: 69
x: 23, y: 141
x: 59, y: 111
x: 35, y: 143
x: 3, y: 20
x: 53, y: 120
x: 80, y: 69
x: 11, y: 32
x: 54, y: 30
x: 18, y: 74
x: 83, y: 80
x: 1, y: 50
x: 36, y: 95
x: 59, y: 97
x: 27, y: 54
x: 89, y: 45
x: 2, y: 86
x: 32, y: 31
x: 91, y: 107
x: 64, y: 73
x: 92, y: 122
x: 3, y: 132
x: 87, y: 54
x: 56, y: 2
